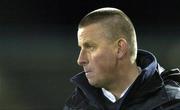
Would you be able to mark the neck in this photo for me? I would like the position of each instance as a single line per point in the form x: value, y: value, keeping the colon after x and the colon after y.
x: 123, y: 80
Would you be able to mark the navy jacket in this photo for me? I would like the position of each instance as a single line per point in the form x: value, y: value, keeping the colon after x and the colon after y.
x: 154, y: 89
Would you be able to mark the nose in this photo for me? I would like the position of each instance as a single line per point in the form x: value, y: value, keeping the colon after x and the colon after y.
x: 82, y: 59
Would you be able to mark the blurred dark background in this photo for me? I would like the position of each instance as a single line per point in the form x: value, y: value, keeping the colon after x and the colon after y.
x: 38, y: 45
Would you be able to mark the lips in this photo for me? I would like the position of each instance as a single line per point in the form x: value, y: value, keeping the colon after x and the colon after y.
x: 87, y: 72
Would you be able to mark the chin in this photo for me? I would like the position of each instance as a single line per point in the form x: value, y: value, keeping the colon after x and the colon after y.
x: 93, y: 83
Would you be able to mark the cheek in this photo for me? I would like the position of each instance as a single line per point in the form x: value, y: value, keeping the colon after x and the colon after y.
x: 104, y: 62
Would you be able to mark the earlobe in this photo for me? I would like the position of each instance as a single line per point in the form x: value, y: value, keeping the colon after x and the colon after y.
x: 122, y: 47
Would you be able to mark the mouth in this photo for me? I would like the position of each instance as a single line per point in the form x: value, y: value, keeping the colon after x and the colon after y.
x: 88, y: 73
x: 86, y: 70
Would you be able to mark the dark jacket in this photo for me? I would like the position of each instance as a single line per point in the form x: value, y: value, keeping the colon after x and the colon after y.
x: 154, y: 89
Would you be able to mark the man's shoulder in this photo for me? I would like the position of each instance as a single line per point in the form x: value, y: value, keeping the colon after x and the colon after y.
x: 172, y: 87
x: 168, y: 95
x: 172, y: 83
x: 171, y: 75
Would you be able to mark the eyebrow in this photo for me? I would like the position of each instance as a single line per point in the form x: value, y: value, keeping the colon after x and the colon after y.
x: 87, y: 43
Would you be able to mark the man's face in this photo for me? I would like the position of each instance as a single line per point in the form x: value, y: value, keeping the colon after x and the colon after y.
x: 97, y: 55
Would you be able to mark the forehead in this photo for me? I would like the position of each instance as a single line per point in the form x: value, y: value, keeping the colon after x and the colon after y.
x: 93, y: 32
x: 90, y: 29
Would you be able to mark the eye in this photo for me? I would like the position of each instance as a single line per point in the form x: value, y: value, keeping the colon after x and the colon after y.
x: 89, y: 47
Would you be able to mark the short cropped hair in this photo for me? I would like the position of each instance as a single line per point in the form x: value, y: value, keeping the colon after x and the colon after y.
x: 117, y: 24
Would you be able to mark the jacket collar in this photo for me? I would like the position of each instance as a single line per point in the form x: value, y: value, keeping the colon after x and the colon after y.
x: 91, y: 92
x: 148, y: 81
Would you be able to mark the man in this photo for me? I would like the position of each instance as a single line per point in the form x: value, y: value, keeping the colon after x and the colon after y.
x: 118, y: 76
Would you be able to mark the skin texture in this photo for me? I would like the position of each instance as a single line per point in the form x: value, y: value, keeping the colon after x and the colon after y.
x: 97, y: 56
x: 104, y: 61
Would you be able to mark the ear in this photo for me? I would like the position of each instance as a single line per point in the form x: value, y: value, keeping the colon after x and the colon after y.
x: 122, y: 47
